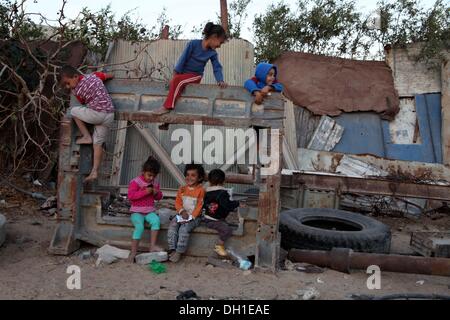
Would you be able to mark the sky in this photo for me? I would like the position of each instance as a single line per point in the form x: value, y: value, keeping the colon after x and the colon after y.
x: 183, y: 12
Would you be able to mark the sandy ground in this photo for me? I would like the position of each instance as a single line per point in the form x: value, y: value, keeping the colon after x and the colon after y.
x: 27, y: 271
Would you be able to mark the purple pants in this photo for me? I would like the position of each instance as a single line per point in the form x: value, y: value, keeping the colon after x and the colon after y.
x: 224, y: 230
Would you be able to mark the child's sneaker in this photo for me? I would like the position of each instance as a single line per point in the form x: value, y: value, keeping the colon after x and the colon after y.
x: 220, y: 250
x: 175, y: 257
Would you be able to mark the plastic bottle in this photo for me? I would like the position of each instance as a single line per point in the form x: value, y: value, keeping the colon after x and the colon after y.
x: 244, y: 263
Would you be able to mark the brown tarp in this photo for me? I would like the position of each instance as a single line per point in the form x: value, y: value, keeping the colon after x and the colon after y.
x: 330, y: 86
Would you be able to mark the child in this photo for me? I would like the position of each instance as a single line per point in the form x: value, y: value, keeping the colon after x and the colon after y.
x: 90, y: 91
x: 142, y: 192
x: 264, y: 81
x: 191, y: 65
x: 188, y: 203
x: 217, y: 206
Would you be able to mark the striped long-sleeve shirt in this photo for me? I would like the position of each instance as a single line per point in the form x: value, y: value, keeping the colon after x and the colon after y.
x: 92, y: 92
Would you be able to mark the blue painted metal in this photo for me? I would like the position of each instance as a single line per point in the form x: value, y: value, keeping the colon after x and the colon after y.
x: 366, y: 133
x: 362, y: 134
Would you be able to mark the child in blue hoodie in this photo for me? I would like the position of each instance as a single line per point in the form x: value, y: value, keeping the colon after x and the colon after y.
x: 264, y: 82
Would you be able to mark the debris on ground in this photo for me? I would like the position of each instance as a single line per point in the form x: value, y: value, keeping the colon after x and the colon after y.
x: 308, y: 268
x: 320, y: 281
x: 109, y: 254
x: 85, y: 255
x: 147, y: 258
x: 309, y: 293
x: 49, y: 203
x: 188, y: 295
x: 420, y: 282
x: 157, y: 267
x: 289, y: 265
x: 37, y: 183
x: 214, y: 262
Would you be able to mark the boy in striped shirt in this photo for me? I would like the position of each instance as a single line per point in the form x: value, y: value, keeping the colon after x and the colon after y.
x: 97, y: 109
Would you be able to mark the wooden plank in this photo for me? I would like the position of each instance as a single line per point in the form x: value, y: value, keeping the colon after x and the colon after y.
x: 162, y: 154
x: 119, y: 151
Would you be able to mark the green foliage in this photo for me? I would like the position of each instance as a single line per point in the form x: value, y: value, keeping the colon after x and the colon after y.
x: 14, y: 23
x: 335, y: 27
x: 237, y: 13
x: 97, y: 29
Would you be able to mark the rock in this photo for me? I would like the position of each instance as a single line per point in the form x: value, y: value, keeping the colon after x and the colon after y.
x: 147, y: 258
x: 109, y: 254
x: 36, y: 223
x: 310, y: 293
x: 210, y: 266
x: 247, y: 273
x: 289, y: 265
x: 188, y: 295
x: 85, y: 255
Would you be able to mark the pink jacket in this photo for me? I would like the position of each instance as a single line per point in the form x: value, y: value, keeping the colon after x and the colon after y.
x: 141, y: 200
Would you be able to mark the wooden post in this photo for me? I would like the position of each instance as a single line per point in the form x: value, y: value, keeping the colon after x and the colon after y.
x: 267, y: 234
x: 224, y: 15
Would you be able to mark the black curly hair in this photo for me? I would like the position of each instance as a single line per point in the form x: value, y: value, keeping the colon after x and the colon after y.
x: 216, y: 177
x: 199, y: 168
x: 214, y: 29
x: 151, y: 165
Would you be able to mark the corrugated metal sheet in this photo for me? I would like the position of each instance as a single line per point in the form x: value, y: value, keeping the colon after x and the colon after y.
x: 366, y: 133
x: 327, y: 135
x: 158, y: 58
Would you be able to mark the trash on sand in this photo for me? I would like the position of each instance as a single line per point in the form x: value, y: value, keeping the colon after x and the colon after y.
x: 420, y: 282
x: 320, y: 280
x: 309, y: 293
x: 49, y: 203
x: 157, y: 267
x: 244, y: 263
x: 308, y: 268
x: 188, y: 295
x: 37, y: 183
x: 109, y: 254
x: 146, y: 258
x: 289, y: 265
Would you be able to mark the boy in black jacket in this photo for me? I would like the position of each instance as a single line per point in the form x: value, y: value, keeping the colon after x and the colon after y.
x: 216, y: 207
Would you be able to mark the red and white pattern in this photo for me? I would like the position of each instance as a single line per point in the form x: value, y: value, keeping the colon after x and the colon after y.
x: 93, y: 92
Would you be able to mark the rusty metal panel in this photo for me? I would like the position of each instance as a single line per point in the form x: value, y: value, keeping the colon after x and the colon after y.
x: 158, y: 58
x: 368, y: 186
x: 328, y: 162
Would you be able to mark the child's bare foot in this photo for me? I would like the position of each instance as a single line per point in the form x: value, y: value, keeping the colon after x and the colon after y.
x: 131, y: 258
x: 161, y: 111
x: 156, y: 249
x: 84, y: 140
x: 93, y: 176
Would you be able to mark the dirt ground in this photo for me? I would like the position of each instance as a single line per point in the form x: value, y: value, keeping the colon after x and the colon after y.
x: 27, y: 271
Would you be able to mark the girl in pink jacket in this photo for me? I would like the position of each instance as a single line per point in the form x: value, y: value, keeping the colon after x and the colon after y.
x: 142, y: 193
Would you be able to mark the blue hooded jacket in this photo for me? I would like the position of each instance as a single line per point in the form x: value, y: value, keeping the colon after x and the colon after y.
x: 259, y: 81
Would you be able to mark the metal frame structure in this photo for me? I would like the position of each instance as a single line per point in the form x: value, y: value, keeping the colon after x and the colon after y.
x: 80, y: 206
